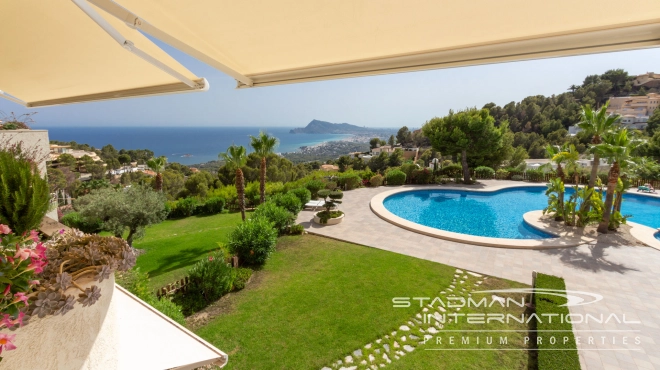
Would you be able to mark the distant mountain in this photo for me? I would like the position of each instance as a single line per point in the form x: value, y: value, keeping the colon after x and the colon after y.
x: 322, y: 127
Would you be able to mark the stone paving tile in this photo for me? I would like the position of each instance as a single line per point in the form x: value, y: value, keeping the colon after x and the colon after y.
x: 626, y: 276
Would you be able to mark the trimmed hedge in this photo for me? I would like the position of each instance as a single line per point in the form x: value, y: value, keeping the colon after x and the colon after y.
x: 559, y: 355
x: 376, y: 181
x: 349, y: 180
x: 451, y: 170
x: 303, y: 194
x: 484, y: 172
x: 395, y: 177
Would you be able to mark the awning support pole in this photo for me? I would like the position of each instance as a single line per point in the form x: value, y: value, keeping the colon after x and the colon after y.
x: 133, y: 21
x: 128, y: 45
x: 12, y: 99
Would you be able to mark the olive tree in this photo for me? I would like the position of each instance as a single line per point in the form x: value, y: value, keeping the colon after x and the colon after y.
x: 130, y: 209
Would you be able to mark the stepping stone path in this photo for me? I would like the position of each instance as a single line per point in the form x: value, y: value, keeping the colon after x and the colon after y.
x: 384, y: 350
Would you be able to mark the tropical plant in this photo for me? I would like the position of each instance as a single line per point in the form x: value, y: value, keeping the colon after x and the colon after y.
x: 131, y: 209
x: 235, y: 158
x: 211, y: 278
x: 584, y: 206
x: 570, y: 156
x: 596, y: 123
x: 263, y: 145
x: 253, y: 241
x: 555, y: 194
x: 618, y: 148
x: 24, y: 194
x: 158, y: 166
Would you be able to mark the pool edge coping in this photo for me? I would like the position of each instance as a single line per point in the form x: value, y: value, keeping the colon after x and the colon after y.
x: 563, y: 239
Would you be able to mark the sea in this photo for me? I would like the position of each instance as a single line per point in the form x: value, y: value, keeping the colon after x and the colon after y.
x: 186, y: 145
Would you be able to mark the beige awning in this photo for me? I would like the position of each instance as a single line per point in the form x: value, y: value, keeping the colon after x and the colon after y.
x: 52, y: 52
x: 274, y: 42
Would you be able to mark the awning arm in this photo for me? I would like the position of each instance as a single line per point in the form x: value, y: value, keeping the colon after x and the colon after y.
x: 12, y: 98
x: 132, y: 20
x: 128, y: 45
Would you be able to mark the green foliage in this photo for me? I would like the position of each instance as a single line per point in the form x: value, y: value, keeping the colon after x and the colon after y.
x: 395, y: 158
x: 584, y: 207
x: 408, y: 169
x: 252, y: 192
x: 324, y: 216
x: 560, y: 355
x: 332, y: 198
x: 484, y: 172
x: 395, y: 177
x: 376, y: 181
x: 133, y: 208
x: 242, y: 276
x: 214, y: 205
x: 535, y: 175
x: 288, y: 201
x: 555, y: 194
x: 517, y: 178
x: 314, y: 186
x: 331, y: 185
x: 349, y: 180
x: 501, y: 174
x: 422, y: 176
x: 280, y: 217
x: 24, y: 194
x: 378, y: 163
x: 210, y: 278
x: 75, y: 220
x: 303, y: 194
x: 253, y: 241
x: 297, y: 229
x: 185, y: 207
x: 451, y: 170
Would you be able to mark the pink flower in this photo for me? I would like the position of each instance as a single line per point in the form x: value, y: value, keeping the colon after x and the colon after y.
x: 4, y: 229
x: 36, y: 266
x: 21, y: 297
x: 6, y: 342
x: 19, y: 319
x: 34, y: 282
x: 210, y: 258
x: 6, y: 291
x: 61, y: 231
x: 34, y: 235
x: 22, y: 253
x: 6, y: 321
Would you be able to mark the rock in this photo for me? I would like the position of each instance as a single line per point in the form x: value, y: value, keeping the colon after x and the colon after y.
x: 474, y: 274
x: 368, y: 346
x: 427, y: 310
x: 348, y: 360
x: 439, y: 325
x: 427, y: 337
x: 485, y: 277
x: 456, y: 275
x: 459, y: 271
x: 386, y: 358
x: 381, y: 365
x: 419, y: 316
x: 450, y: 290
x: 418, y: 322
x: 371, y: 358
x: 411, y: 323
x: 443, y: 292
x: 458, y: 308
x: 387, y: 337
x: 408, y: 348
x: 396, y: 345
x: 465, y: 277
x: 413, y: 337
x: 396, y: 357
x: 442, y: 309
x: 403, y: 338
x: 348, y: 368
x: 403, y: 328
x: 363, y: 362
x: 373, y: 367
x: 462, y: 281
x: 378, y: 341
x: 452, y: 286
x: 357, y: 353
x: 422, y: 330
x: 386, y: 347
x: 400, y: 353
x: 338, y: 363
x: 377, y: 351
x: 432, y: 330
x: 326, y: 368
x: 393, y: 333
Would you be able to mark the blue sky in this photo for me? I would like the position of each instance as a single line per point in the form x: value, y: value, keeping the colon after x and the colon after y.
x: 379, y: 101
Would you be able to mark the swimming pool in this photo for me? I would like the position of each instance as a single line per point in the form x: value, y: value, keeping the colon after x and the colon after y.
x: 496, y: 214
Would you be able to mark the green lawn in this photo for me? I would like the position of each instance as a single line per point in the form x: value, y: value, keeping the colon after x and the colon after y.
x: 174, y: 245
x: 318, y: 299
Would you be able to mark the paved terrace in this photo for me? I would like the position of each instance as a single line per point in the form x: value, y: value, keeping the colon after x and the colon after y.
x: 627, y: 276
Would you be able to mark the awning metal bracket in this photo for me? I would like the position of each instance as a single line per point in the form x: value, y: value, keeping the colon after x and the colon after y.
x: 12, y: 98
x: 134, y: 21
x: 130, y: 46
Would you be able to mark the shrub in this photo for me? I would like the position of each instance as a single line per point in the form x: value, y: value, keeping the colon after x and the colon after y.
x: 288, y: 201
x: 502, y: 174
x: 314, y: 186
x: 331, y: 185
x: 296, y: 230
x: 422, y: 176
x: 24, y: 194
x: 252, y: 192
x: 214, y: 205
x: 280, y: 217
x: 210, y: 278
x: 535, y: 175
x: 75, y: 220
x: 253, y: 241
x: 273, y: 188
x: 365, y: 174
x: 376, y: 181
x: 559, y: 355
x: 349, y: 180
x: 517, y: 178
x: 484, y: 172
x: 303, y: 194
x: 137, y: 283
x: 395, y: 177
x: 451, y: 170
x: 242, y: 276
x: 185, y: 207
x: 408, y: 169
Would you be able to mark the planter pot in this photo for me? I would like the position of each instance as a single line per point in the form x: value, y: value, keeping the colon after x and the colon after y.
x: 64, y: 342
x: 332, y: 221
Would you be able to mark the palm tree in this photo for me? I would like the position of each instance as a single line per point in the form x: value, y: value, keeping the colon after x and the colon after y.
x: 235, y: 158
x: 553, y: 152
x: 573, y: 88
x: 263, y: 145
x: 597, y: 123
x: 617, y: 147
x: 570, y: 156
x: 158, y: 165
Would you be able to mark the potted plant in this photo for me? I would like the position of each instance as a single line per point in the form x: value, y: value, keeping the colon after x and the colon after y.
x: 329, y: 216
x: 44, y: 282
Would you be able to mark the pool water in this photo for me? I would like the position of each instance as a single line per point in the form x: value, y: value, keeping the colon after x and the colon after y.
x: 496, y: 214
